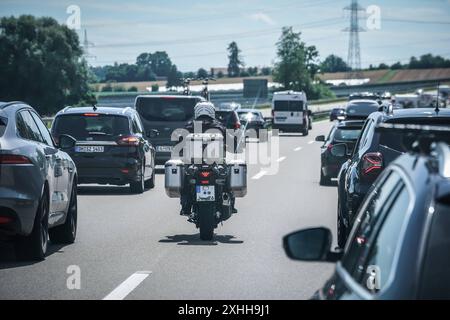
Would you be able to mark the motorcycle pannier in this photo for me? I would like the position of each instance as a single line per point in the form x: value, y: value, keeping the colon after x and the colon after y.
x: 174, y: 178
x: 238, y: 178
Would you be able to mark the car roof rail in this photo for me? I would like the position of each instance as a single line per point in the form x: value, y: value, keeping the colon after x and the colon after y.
x: 418, y: 138
x: 8, y: 104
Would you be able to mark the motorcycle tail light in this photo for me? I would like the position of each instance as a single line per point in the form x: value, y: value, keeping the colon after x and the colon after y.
x: 205, y: 174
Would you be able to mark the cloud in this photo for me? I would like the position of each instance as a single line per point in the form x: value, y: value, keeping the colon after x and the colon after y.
x: 263, y: 17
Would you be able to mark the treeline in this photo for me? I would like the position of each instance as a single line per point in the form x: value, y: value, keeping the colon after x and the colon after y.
x: 334, y: 63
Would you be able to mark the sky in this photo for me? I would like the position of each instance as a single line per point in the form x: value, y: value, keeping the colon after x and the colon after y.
x: 196, y: 33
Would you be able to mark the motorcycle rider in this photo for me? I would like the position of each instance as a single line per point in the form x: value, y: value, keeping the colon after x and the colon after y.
x: 204, y: 114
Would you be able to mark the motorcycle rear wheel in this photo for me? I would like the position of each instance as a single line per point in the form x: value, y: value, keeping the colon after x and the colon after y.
x: 206, y: 221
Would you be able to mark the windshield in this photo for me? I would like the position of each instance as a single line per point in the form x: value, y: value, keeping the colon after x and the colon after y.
x: 288, y: 105
x: 166, y: 109
x: 95, y: 127
x: 362, y: 108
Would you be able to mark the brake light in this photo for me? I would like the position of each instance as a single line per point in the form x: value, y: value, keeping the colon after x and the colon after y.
x: 91, y: 114
x: 237, y: 125
x: 330, y: 146
x: 128, y: 141
x: 205, y: 174
x: 204, y: 182
x: 14, y: 159
x: 372, y: 163
x: 5, y: 220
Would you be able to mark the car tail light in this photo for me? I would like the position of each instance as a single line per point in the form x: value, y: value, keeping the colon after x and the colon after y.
x: 237, y: 125
x: 14, y: 159
x: 128, y: 141
x: 5, y: 220
x: 91, y: 114
x: 372, y: 163
x: 330, y: 146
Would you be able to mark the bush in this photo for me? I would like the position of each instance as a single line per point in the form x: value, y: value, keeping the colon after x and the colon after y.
x: 107, y: 88
x: 155, y: 88
x: 119, y: 88
x: 133, y: 89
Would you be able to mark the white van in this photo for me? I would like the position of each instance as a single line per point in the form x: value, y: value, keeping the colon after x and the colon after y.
x: 290, y: 112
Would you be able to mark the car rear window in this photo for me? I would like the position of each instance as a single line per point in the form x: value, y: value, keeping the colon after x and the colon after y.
x: 362, y: 108
x: 95, y: 126
x: 347, y: 134
x: 245, y: 116
x: 288, y: 105
x: 3, y: 123
x: 166, y: 109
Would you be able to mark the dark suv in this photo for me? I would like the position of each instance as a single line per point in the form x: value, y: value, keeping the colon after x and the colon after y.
x: 111, y: 146
x: 161, y: 116
x: 399, y: 247
x: 373, y: 152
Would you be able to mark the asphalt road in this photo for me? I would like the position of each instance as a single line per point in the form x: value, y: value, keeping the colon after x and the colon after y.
x: 138, y: 247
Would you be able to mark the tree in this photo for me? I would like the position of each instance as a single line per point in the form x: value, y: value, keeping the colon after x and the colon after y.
x: 159, y: 62
x: 235, y: 61
x: 42, y: 64
x: 252, y: 71
x: 202, y: 73
x: 333, y: 63
x: 174, y: 77
x: 296, y: 67
x: 266, y: 71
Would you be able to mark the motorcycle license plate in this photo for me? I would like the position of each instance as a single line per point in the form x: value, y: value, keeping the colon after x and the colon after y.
x: 206, y: 193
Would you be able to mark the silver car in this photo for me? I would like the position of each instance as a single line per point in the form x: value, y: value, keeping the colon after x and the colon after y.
x: 38, y: 189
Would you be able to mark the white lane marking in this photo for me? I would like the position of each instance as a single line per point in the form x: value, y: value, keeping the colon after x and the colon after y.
x: 298, y: 149
x: 261, y: 174
x: 281, y: 159
x: 311, y: 142
x: 126, y: 287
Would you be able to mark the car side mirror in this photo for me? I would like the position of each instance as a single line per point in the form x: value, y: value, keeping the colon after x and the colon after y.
x: 311, y: 245
x: 66, y: 142
x: 320, y: 138
x: 153, y: 133
x: 339, y: 150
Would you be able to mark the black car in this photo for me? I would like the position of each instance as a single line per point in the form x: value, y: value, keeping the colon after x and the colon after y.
x: 252, y: 120
x: 111, y: 146
x: 337, y: 114
x: 161, y: 116
x: 373, y: 152
x: 346, y: 132
x: 361, y: 109
x: 399, y: 247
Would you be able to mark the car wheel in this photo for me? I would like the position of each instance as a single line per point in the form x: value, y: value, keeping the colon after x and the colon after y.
x: 341, y: 228
x: 138, y: 187
x: 66, y: 233
x: 34, y: 246
x: 150, y: 184
x: 306, y: 132
x: 324, y: 181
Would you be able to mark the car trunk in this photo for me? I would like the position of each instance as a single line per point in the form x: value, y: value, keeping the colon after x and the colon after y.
x: 97, y: 138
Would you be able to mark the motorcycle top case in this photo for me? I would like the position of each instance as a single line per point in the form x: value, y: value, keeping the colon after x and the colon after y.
x: 174, y: 178
x: 204, y: 147
x: 237, y: 173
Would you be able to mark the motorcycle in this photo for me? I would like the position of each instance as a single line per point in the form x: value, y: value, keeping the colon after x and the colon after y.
x: 212, y: 188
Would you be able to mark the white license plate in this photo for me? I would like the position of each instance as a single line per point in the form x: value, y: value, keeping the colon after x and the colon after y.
x: 164, y: 148
x: 206, y: 193
x: 90, y: 149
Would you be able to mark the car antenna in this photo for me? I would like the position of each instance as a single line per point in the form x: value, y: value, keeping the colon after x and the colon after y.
x: 94, y: 107
x: 437, y: 98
